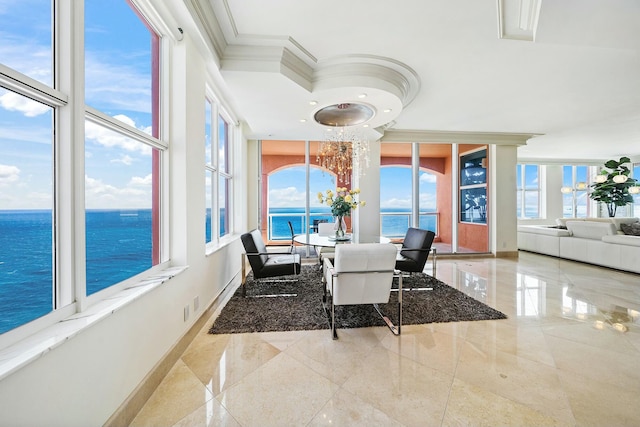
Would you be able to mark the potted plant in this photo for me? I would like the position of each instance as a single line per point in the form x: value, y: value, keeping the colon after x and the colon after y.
x: 612, y: 185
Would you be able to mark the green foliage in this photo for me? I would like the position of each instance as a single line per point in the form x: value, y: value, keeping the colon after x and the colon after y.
x: 611, y: 193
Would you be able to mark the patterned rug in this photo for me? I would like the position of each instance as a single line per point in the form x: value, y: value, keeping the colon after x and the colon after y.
x: 305, y: 312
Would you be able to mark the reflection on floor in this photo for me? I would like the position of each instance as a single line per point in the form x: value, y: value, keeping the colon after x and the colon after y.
x: 569, y: 354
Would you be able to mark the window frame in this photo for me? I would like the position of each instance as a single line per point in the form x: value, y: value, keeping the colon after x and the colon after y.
x: 212, y: 167
x: 159, y: 44
x: 522, y: 190
x: 66, y: 98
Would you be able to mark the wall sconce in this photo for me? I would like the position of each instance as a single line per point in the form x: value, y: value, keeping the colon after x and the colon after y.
x: 620, y: 179
x: 634, y: 190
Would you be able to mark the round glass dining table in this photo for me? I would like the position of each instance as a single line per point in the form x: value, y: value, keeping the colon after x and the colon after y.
x: 314, y: 239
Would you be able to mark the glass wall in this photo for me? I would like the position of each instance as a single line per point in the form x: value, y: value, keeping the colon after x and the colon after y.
x: 284, y: 196
x: 416, y: 191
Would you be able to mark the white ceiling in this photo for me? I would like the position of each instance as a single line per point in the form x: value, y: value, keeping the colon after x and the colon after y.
x: 441, y: 66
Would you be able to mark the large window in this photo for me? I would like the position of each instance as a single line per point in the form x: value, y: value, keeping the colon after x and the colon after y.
x: 218, y: 176
x: 528, y: 191
x: 27, y: 112
x: 575, y: 195
x: 122, y: 152
x: 26, y: 200
x: 41, y: 166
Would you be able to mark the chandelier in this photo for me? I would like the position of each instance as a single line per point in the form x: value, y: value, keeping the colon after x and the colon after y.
x: 343, y: 149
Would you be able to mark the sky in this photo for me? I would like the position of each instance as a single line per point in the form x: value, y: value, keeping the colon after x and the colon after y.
x: 118, y: 83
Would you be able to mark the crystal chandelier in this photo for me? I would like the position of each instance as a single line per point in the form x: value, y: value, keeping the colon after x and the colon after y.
x: 342, y: 152
x: 343, y: 149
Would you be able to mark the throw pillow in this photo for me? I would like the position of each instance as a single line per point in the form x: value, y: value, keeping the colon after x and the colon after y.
x: 632, y: 229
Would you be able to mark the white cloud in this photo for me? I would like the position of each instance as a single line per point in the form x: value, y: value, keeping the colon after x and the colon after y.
x: 111, y: 139
x: 9, y: 174
x: 25, y: 54
x: 99, y: 195
x: 427, y: 178
x: 13, y: 102
x: 116, y: 86
x: 395, y: 202
x: 125, y: 160
x: 286, y: 197
x: 140, y: 180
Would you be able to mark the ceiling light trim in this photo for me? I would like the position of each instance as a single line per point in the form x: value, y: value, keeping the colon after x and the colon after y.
x: 494, y: 138
x: 518, y: 19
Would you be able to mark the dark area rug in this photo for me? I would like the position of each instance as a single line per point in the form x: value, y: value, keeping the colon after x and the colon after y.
x: 305, y: 312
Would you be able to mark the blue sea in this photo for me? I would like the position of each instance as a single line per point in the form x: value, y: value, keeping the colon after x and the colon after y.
x: 119, y: 245
x: 394, y: 222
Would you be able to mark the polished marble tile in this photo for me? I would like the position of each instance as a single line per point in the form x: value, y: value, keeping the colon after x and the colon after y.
x: 600, y: 404
x: 336, y: 360
x: 178, y: 395
x: 526, y: 342
x: 346, y: 409
x: 469, y: 405
x: 530, y: 383
x: 407, y: 391
x: 282, y: 392
x: 568, y: 354
x: 437, y: 350
x: 220, y: 361
x: 211, y: 414
x: 598, y: 364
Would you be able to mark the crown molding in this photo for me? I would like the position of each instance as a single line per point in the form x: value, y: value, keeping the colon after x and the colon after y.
x: 377, y: 72
x: 208, y: 26
x: 495, y: 138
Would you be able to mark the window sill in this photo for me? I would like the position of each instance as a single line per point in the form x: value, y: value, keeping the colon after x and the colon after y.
x: 33, y: 347
x: 212, y: 248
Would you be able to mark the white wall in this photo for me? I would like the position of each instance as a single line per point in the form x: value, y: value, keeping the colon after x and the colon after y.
x: 502, y: 181
x: 83, y: 381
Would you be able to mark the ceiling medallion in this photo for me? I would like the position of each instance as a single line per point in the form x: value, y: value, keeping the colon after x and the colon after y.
x: 345, y: 114
x: 343, y: 150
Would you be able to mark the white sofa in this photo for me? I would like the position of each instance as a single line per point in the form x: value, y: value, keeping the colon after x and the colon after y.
x: 593, y: 240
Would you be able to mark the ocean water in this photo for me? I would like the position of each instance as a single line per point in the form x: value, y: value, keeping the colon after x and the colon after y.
x: 394, y: 222
x: 119, y: 245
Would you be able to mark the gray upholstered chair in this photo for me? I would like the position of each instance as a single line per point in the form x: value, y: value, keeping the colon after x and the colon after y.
x: 413, y: 255
x: 361, y: 274
x: 267, y: 264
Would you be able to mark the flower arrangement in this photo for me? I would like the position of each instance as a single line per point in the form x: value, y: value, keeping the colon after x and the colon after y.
x: 342, y: 202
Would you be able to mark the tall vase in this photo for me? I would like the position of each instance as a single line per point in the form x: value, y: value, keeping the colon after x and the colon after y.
x: 340, y: 227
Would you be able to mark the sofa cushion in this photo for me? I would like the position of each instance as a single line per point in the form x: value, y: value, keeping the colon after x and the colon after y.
x: 618, y: 222
x: 631, y: 229
x: 591, y: 229
x: 622, y: 240
x: 563, y: 221
x: 543, y: 229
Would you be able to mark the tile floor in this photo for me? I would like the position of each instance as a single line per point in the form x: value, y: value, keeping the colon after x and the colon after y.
x: 568, y: 355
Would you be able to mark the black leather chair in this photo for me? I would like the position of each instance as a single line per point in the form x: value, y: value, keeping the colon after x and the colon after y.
x: 267, y: 264
x: 415, y: 250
